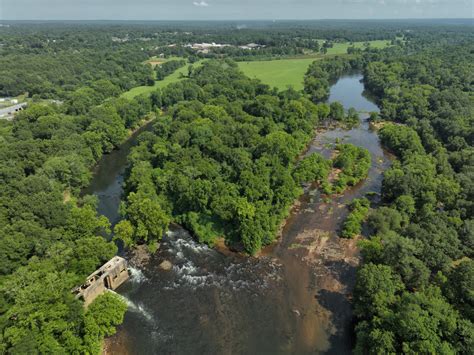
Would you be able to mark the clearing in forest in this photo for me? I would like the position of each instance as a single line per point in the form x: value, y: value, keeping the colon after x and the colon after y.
x: 282, y: 73
x: 159, y: 84
x: 341, y: 48
x: 278, y: 73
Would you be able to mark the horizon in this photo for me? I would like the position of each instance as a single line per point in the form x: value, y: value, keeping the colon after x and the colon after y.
x: 228, y: 10
x: 247, y: 20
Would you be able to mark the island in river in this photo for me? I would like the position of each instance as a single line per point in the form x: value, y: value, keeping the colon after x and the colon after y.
x: 293, y: 298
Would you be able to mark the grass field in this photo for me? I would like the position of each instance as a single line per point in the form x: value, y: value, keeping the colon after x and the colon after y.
x: 341, y: 48
x: 159, y: 84
x: 290, y: 72
x: 278, y: 73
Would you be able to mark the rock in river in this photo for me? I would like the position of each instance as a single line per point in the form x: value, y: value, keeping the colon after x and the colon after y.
x: 166, y: 265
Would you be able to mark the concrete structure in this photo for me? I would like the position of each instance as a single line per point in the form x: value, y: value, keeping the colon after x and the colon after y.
x: 251, y: 46
x: 110, y: 276
x: 205, y: 47
x: 11, y: 110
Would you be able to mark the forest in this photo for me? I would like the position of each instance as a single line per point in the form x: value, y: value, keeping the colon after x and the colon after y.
x: 220, y: 161
x: 225, y: 160
x: 414, y: 290
x: 51, y: 236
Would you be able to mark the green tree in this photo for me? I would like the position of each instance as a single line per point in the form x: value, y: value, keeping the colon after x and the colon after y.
x: 377, y: 289
x: 148, y: 218
x: 337, y: 111
x: 102, y: 316
x: 124, y: 231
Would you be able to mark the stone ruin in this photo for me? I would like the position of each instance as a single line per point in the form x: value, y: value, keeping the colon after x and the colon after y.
x: 108, y: 277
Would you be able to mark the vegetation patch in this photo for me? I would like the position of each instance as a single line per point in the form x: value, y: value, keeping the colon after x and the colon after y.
x: 354, y: 164
x: 222, y: 160
x: 312, y: 168
x: 359, y: 208
x: 345, y: 47
x: 176, y: 76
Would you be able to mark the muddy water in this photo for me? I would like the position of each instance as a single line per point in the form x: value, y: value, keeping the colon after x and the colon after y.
x: 294, y: 298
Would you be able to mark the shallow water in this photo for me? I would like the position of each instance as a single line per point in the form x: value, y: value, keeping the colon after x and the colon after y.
x: 294, y: 298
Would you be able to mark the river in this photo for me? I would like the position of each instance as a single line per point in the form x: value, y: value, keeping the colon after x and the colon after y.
x: 293, y: 298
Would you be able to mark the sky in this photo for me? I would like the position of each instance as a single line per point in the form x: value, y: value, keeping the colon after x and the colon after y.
x: 232, y: 9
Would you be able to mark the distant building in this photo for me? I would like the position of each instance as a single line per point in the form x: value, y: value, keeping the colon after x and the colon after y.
x: 9, y: 111
x: 252, y: 46
x: 206, y: 46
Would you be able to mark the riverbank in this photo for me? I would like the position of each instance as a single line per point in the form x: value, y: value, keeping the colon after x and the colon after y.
x: 294, y: 298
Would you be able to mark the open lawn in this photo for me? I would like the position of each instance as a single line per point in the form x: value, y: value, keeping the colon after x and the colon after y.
x: 341, y: 48
x: 282, y: 73
x: 159, y: 84
x: 278, y: 73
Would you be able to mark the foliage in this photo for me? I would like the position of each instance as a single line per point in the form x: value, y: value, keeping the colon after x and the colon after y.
x: 312, y: 168
x: 352, y: 226
x: 354, y: 163
x: 222, y: 162
x: 168, y: 67
x: 102, y: 316
x: 423, y: 231
x: 51, y: 239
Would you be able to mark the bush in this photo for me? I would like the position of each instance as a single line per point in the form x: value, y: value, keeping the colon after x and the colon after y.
x: 354, y: 163
x: 353, y: 224
x: 312, y: 168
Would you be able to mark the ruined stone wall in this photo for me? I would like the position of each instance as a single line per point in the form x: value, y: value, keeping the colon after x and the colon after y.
x: 110, y: 276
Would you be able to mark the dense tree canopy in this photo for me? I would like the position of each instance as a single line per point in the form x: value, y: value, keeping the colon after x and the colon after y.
x: 422, y: 235
x: 51, y: 239
x: 224, y: 161
x: 221, y: 162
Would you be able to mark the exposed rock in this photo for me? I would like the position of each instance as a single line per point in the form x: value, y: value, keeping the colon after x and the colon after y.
x: 139, y: 256
x: 166, y: 265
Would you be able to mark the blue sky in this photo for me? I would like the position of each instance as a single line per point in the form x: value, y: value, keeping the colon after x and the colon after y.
x: 232, y: 9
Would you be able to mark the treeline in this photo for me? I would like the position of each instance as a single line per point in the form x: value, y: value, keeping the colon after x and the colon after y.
x: 414, y: 290
x: 321, y: 73
x: 55, y: 76
x: 51, y: 239
x: 221, y: 162
x: 168, y: 67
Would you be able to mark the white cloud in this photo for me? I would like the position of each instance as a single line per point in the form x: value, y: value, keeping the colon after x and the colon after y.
x: 200, y: 3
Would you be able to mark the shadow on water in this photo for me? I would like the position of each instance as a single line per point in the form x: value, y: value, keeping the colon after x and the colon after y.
x: 293, y: 299
x: 108, y: 177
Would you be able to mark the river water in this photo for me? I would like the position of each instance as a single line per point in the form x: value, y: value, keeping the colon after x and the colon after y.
x: 293, y: 298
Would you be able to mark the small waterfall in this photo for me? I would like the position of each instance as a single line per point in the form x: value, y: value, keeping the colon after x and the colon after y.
x: 136, y: 275
x: 132, y: 306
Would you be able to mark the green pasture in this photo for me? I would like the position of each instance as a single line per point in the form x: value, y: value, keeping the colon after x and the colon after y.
x: 341, y: 48
x: 278, y: 73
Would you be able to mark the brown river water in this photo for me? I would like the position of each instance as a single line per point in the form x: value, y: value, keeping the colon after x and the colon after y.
x: 292, y: 299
